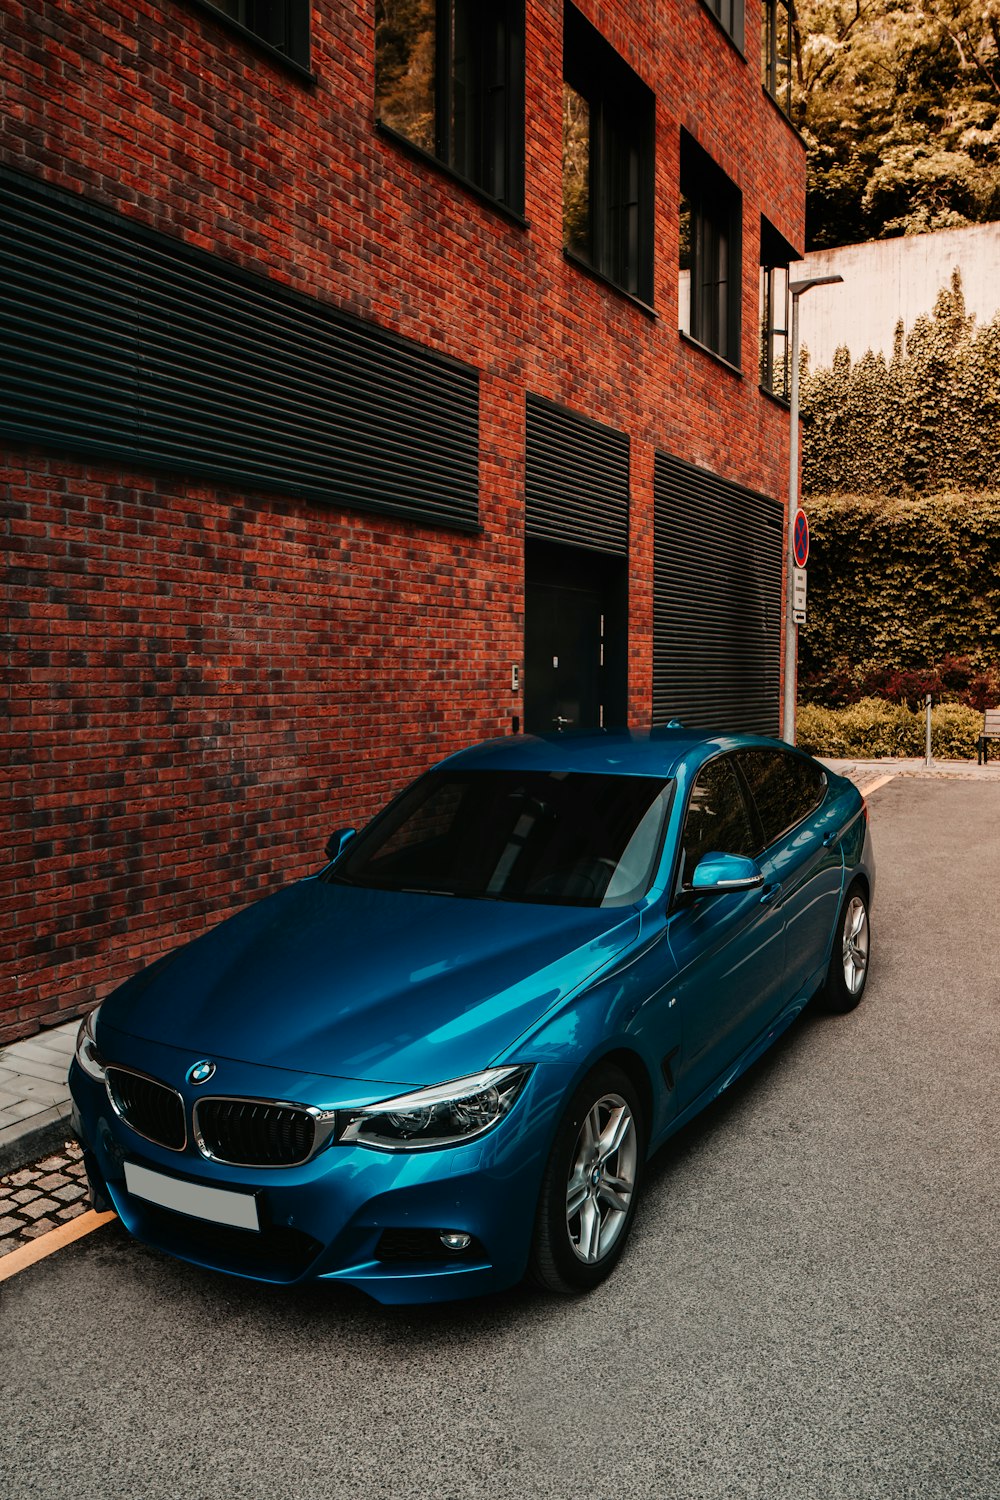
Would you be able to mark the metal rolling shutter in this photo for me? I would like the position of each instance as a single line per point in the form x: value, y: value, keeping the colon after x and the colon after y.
x: 120, y: 342
x: 577, y: 480
x: 716, y: 601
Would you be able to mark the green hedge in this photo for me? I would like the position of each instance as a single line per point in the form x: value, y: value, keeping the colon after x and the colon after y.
x: 900, y: 583
x: 873, y: 728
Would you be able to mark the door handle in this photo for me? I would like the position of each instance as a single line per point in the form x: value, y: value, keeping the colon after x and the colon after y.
x: 770, y: 893
x: 831, y: 838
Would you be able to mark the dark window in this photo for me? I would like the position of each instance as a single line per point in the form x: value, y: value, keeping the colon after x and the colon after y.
x: 608, y: 115
x: 775, y: 256
x: 449, y: 76
x: 729, y: 14
x: 785, y: 789
x: 535, y: 836
x: 282, y: 24
x: 776, y: 52
x: 710, y: 246
x: 717, y: 819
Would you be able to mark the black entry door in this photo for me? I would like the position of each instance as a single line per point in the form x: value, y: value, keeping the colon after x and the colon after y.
x: 575, y: 639
x: 564, y: 639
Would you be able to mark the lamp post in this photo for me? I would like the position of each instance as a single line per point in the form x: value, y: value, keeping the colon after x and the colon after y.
x: 796, y: 290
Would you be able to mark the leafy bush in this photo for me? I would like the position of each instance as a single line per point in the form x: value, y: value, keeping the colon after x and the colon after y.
x: 871, y: 728
x: 955, y: 679
x: 910, y: 585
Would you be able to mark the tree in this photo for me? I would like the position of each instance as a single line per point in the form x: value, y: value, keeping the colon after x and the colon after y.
x: 899, y: 105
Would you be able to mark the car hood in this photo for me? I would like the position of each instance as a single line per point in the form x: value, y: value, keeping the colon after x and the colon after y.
x: 381, y: 986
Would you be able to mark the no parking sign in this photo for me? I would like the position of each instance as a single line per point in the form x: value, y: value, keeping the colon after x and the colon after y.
x: 800, y: 538
x: 800, y: 554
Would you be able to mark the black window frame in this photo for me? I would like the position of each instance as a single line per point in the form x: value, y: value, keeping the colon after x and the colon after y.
x: 776, y: 32
x: 714, y: 205
x: 619, y: 237
x: 776, y: 256
x: 488, y: 154
x: 731, y: 16
x: 281, y: 26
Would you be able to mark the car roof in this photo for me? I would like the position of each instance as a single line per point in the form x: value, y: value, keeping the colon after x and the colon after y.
x: 620, y: 752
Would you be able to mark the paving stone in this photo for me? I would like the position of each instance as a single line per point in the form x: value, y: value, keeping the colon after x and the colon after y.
x: 50, y: 1180
x: 39, y: 1207
x: 42, y: 1090
x: 52, y: 1164
x: 26, y: 1195
x: 32, y: 1067
x: 43, y: 1226
x: 22, y: 1110
x: 70, y: 1193
x: 10, y: 1226
x: 18, y: 1179
x: 73, y: 1212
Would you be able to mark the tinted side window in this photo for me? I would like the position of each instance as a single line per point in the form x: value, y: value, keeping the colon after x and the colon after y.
x: 785, y: 788
x: 717, y: 818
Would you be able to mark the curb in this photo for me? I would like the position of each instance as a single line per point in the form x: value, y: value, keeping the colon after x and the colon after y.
x: 41, y: 1140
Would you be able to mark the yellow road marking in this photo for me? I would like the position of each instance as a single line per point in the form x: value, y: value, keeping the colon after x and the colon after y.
x: 881, y: 782
x: 48, y: 1244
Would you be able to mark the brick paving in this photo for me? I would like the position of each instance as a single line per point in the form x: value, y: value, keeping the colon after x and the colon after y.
x: 42, y: 1196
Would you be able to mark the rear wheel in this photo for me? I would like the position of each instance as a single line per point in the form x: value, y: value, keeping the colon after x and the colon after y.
x: 848, y: 974
x: 588, y: 1197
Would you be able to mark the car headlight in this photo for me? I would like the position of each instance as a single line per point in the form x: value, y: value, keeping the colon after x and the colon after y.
x: 87, y: 1054
x: 449, y: 1114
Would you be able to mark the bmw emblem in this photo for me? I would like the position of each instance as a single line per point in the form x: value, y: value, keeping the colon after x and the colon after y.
x: 201, y: 1072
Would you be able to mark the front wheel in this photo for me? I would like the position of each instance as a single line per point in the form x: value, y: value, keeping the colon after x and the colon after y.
x: 589, y: 1191
x: 848, y: 975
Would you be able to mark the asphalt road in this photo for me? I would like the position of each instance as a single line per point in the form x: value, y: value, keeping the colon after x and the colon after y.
x: 808, y: 1309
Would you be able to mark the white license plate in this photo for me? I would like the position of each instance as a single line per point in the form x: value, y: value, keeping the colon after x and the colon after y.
x: 217, y: 1205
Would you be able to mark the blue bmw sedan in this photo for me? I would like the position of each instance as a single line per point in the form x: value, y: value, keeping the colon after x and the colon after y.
x: 440, y: 1064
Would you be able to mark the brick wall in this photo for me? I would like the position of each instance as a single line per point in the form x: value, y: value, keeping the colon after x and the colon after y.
x: 205, y: 682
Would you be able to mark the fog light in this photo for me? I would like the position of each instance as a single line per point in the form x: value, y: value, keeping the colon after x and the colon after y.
x: 455, y: 1240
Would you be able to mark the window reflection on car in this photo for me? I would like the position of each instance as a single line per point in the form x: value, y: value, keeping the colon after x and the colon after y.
x: 574, y: 839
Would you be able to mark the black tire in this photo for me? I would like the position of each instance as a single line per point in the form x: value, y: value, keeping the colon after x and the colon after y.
x: 563, y: 1258
x: 849, y: 961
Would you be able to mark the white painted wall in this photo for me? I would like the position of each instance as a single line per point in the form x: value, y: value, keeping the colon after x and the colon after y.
x: 885, y: 280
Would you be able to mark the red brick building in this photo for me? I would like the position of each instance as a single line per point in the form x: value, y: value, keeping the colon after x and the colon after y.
x: 347, y: 418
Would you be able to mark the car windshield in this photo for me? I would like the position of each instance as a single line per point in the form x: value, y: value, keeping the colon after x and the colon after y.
x: 566, y: 838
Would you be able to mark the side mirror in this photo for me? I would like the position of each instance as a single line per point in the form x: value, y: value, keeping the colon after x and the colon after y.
x: 338, y: 842
x: 726, y: 872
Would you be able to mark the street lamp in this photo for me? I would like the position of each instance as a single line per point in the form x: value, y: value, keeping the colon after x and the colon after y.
x: 796, y: 290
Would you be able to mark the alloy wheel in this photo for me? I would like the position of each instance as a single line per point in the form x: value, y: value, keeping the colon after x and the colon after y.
x: 602, y: 1178
x: 855, y: 945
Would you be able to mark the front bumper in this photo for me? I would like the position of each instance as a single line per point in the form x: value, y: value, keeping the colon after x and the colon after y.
x: 366, y: 1218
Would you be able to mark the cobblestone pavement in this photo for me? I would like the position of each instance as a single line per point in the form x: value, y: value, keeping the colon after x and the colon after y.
x: 38, y: 1198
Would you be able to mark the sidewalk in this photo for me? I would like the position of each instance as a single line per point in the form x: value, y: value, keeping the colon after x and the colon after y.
x: 868, y: 775
x: 34, y: 1098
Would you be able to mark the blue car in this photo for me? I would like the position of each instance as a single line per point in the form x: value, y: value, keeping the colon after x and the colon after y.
x: 441, y: 1063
